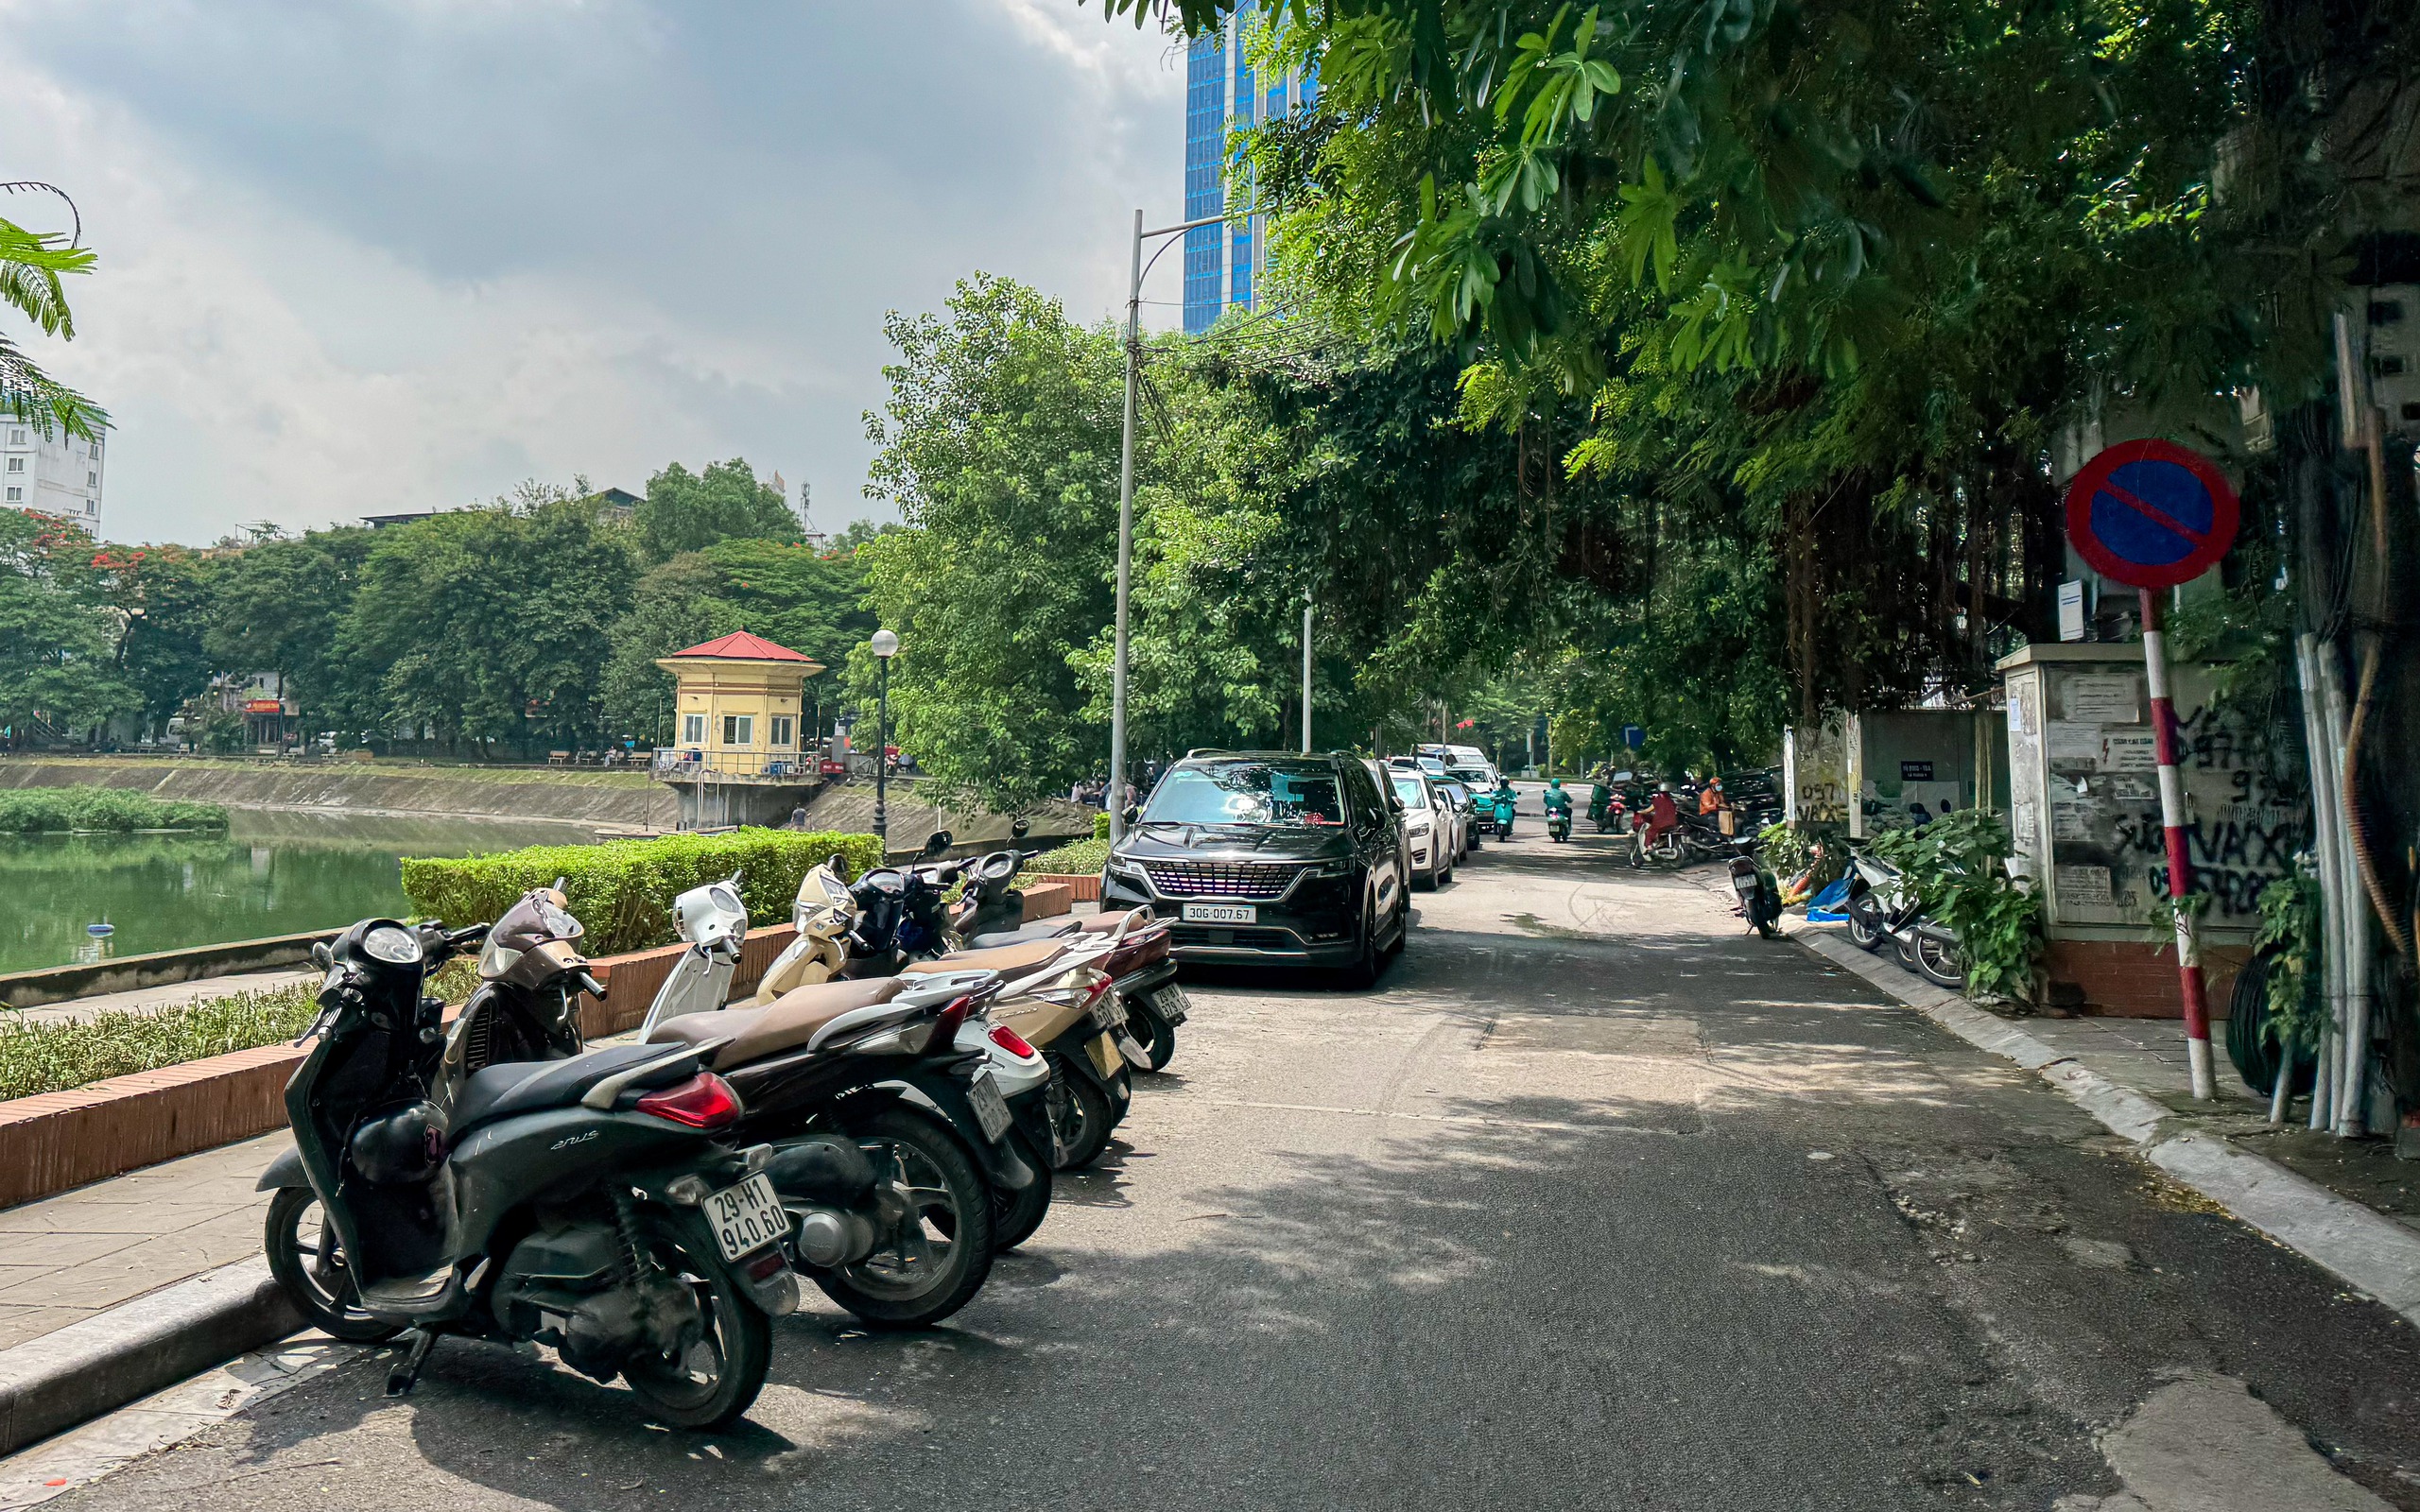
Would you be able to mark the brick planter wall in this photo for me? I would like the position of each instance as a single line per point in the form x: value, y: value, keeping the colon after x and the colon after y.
x: 60, y: 1140
x: 1081, y: 887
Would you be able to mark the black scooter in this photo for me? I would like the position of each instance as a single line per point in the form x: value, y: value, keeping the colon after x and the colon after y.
x: 580, y: 1203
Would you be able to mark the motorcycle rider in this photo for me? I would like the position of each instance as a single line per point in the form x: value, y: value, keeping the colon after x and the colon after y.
x: 1710, y: 797
x: 1557, y: 799
x: 1662, y: 813
x: 1506, y: 802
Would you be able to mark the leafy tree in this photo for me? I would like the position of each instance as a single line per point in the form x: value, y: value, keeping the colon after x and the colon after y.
x: 31, y: 265
x: 689, y: 511
x: 162, y: 597
x: 999, y: 446
x: 278, y: 606
x: 56, y: 636
x: 677, y: 604
x: 491, y: 626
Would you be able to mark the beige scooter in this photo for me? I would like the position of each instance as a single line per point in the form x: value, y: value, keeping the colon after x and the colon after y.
x: 822, y: 912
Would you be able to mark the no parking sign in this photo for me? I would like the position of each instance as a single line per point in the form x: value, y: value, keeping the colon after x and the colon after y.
x: 2153, y: 515
x: 2150, y: 514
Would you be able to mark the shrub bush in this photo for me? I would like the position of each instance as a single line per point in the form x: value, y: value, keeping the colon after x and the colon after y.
x: 1081, y: 858
x: 37, y: 810
x: 622, y: 890
x: 1100, y: 825
x: 52, y: 1057
x: 1958, y: 865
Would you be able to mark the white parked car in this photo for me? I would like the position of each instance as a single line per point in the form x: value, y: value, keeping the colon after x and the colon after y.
x: 1431, y: 829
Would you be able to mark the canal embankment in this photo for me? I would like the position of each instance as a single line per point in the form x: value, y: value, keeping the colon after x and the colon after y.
x: 571, y: 795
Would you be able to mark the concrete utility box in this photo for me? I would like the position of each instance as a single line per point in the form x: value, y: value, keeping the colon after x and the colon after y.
x: 2084, y: 807
x: 1891, y: 760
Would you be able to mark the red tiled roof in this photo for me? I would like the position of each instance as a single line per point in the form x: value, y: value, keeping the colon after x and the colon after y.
x: 741, y: 647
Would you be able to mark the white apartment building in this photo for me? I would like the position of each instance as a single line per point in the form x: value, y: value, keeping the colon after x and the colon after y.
x: 57, y: 474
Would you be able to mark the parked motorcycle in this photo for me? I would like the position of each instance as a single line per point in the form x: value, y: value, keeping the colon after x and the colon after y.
x: 580, y: 1202
x: 1882, y: 905
x: 1757, y: 893
x: 1145, y: 976
x: 1015, y: 1167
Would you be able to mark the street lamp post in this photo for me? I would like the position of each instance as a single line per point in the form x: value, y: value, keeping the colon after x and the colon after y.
x: 885, y: 646
x: 1306, y: 672
x: 1116, y: 802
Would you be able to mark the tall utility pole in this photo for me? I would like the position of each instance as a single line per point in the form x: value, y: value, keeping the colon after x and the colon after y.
x: 1116, y: 802
x: 1306, y: 672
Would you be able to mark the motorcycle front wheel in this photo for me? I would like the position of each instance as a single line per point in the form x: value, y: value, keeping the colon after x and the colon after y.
x: 936, y: 1257
x: 308, y: 1262
x: 716, y: 1376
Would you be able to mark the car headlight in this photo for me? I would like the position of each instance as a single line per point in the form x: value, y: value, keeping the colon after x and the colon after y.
x: 392, y: 944
x: 1418, y: 823
x: 1329, y: 868
x: 1123, y: 867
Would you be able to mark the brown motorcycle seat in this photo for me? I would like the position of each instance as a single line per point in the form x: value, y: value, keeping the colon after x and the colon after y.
x: 787, y: 1022
x: 1001, y: 958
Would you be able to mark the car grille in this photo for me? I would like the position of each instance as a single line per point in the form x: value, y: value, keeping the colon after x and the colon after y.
x: 1222, y: 879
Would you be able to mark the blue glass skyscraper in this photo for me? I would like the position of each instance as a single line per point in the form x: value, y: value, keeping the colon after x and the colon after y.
x: 1222, y: 263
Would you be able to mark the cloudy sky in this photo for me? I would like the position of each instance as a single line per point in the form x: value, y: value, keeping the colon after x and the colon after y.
x: 398, y: 254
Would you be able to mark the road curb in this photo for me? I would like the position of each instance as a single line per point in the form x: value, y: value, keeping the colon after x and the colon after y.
x: 2369, y: 1251
x: 134, y: 1350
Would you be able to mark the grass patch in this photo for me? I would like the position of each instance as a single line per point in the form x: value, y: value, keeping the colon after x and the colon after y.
x: 40, y: 810
x: 53, y: 1057
x: 1081, y: 858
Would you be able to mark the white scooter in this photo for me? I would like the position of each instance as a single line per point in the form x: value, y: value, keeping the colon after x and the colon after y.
x: 713, y: 922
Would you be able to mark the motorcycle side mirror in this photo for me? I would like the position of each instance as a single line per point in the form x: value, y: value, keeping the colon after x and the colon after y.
x: 321, y: 956
x: 839, y: 864
x: 937, y: 842
x: 1020, y: 828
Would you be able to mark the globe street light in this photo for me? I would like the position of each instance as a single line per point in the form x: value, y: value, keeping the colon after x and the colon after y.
x: 885, y: 646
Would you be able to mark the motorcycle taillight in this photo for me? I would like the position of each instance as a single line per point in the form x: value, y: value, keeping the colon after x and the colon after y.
x: 704, y: 1101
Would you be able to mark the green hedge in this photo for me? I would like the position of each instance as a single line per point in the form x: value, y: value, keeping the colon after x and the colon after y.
x: 1081, y: 857
x: 623, y: 889
x: 37, y: 810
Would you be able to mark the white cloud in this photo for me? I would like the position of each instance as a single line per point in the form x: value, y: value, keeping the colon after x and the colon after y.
x: 402, y: 258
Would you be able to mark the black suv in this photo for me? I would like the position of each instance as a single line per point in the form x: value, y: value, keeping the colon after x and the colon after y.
x: 1268, y: 858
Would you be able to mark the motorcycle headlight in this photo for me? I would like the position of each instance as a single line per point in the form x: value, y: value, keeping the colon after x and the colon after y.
x: 394, y: 944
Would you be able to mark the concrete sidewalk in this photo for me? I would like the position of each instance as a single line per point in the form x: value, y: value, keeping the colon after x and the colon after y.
x: 2343, y: 1204
x: 69, y: 1257
x: 171, y: 995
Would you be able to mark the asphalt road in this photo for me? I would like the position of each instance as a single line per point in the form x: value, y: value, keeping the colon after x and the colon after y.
x: 1594, y: 1203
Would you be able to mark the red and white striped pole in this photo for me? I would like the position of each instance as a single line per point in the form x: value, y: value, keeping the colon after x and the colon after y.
x: 2180, y: 862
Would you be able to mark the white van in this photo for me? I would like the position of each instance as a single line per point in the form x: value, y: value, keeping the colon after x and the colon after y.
x: 1466, y: 757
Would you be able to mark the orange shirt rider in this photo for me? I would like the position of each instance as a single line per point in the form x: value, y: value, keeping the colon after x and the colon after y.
x: 1710, y: 797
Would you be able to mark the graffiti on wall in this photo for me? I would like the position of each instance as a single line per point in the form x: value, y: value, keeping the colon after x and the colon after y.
x: 2108, y: 846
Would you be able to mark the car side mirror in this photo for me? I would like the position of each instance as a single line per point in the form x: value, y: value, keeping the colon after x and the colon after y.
x: 1394, y: 802
x: 321, y: 956
x: 1133, y: 812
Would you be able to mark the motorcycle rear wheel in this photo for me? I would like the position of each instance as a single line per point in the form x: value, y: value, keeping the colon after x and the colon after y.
x: 1017, y: 1214
x: 310, y: 1266
x: 1865, y: 929
x: 1940, y: 962
x: 718, y: 1375
x: 1080, y: 1114
x: 1152, y: 1030
x: 937, y: 1258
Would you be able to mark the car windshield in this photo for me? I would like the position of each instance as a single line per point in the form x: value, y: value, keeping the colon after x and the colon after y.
x: 1471, y: 778
x: 1414, y: 792
x: 1248, y: 792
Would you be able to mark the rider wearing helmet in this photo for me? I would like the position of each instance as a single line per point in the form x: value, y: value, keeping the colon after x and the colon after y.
x: 1557, y: 799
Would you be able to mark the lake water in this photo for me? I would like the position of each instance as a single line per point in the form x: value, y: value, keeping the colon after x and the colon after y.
x: 271, y: 873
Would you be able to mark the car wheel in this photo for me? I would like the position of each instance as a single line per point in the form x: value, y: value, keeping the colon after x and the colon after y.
x: 1363, y: 973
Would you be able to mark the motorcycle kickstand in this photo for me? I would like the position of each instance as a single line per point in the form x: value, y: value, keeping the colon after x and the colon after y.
x: 406, y: 1374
